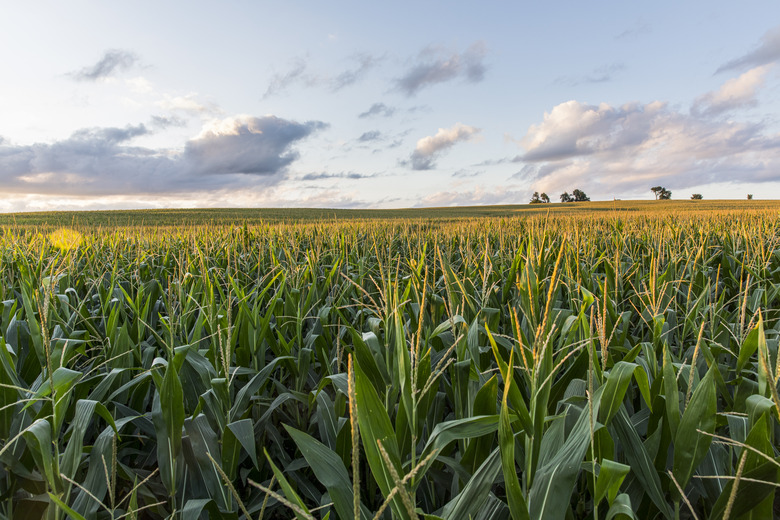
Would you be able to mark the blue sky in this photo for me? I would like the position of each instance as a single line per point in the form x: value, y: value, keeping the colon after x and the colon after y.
x: 397, y: 104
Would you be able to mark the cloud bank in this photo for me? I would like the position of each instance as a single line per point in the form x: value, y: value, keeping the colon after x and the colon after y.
x: 430, y: 148
x: 434, y: 65
x: 230, y: 153
x: 627, y: 148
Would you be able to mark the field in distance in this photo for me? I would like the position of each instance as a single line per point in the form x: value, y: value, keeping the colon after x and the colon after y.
x: 226, y: 216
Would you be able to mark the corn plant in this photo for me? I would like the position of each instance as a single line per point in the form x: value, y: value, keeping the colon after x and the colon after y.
x: 593, y: 366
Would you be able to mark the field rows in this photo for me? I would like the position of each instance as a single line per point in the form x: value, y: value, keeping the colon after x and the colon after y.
x: 544, y: 367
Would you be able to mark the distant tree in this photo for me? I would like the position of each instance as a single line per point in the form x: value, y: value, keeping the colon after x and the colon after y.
x: 750, y: 196
x: 579, y: 196
x: 565, y: 197
x: 544, y: 198
x: 696, y: 196
x: 661, y: 193
x: 535, y: 198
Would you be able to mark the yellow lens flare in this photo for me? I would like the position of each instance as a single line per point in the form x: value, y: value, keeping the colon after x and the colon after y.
x: 65, y: 239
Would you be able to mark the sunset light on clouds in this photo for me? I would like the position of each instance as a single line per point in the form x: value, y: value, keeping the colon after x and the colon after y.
x: 140, y: 105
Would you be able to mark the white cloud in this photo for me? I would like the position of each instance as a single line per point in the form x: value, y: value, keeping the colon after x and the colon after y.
x: 735, y: 93
x: 576, y: 129
x: 612, y: 150
x: 429, y: 148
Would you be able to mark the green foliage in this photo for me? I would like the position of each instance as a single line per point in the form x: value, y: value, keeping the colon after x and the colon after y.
x: 586, y: 366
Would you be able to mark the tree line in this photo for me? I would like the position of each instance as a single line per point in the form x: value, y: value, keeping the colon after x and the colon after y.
x: 660, y: 192
x: 575, y: 196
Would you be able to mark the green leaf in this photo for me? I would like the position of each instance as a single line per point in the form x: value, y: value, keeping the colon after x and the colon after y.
x: 554, y: 482
x: 288, y: 490
x: 469, y: 501
x: 241, y: 401
x: 243, y: 431
x: 448, y: 431
x: 506, y: 443
x: 168, y: 418
x: 640, y: 461
x: 611, y: 475
x: 758, y: 484
x: 194, y: 507
x: 671, y: 393
x: 515, y: 396
x: 82, y: 417
x: 615, y: 390
x: 690, y: 446
x: 375, y: 426
x: 621, y: 508
x: 747, y: 349
x: 62, y: 505
x: 95, y: 480
x: 403, y: 373
x: 330, y: 472
x: 39, y: 442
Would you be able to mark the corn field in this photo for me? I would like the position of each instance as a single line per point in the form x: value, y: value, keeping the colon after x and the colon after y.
x: 579, y: 367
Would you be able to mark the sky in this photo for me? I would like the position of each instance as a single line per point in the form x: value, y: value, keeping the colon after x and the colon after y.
x: 356, y: 104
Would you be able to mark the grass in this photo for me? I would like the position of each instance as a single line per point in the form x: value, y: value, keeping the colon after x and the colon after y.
x: 226, y: 216
x: 485, y: 362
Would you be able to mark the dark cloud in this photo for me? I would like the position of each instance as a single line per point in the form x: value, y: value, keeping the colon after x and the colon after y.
x: 374, y: 135
x: 114, y: 60
x: 378, y: 109
x: 768, y: 51
x: 252, y: 145
x: 434, y: 66
x: 233, y: 153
